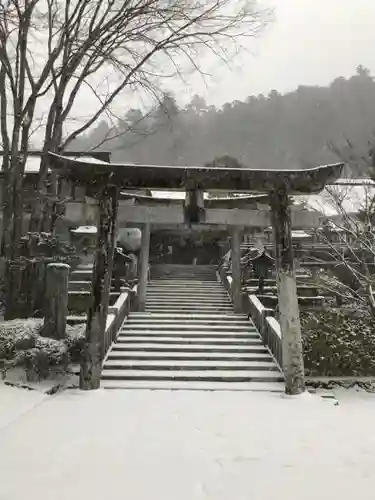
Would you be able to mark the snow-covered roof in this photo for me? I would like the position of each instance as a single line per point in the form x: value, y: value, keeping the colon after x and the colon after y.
x: 85, y: 230
x: 172, y: 195
x: 354, y: 182
x: 33, y: 162
x: 300, y: 234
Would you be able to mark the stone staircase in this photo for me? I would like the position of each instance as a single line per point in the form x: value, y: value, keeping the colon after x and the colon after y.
x: 189, y: 337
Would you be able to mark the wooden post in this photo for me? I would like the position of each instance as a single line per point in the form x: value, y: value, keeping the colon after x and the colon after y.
x: 292, y: 352
x: 97, y: 313
x: 143, y: 271
x: 56, y: 305
x: 236, y: 269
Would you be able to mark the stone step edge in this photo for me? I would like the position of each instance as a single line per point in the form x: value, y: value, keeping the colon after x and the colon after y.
x: 246, y: 376
x: 117, y: 364
x: 268, y: 387
x: 213, y: 357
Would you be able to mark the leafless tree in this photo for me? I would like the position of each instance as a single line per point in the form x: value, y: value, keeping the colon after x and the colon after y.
x: 52, y: 51
x: 350, y: 237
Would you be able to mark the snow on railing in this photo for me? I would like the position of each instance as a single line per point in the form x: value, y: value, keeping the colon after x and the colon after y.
x: 116, y: 316
x: 267, y: 325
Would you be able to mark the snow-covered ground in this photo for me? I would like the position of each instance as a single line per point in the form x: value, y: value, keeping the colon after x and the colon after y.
x: 15, y: 403
x: 140, y: 445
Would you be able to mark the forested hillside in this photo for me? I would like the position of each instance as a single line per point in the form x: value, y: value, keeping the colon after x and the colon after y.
x: 295, y: 130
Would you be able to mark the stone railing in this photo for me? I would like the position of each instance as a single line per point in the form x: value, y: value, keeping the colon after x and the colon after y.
x: 116, y: 316
x: 267, y: 325
x: 226, y: 279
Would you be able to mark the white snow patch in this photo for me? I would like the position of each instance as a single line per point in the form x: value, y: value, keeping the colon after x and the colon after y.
x: 353, y: 197
x: 33, y: 162
x: 168, y: 445
x: 300, y: 234
x: 16, y: 402
x: 85, y: 230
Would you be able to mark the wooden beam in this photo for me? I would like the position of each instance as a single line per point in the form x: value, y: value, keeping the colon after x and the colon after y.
x: 292, y: 353
x: 258, y: 218
x: 168, y: 215
x: 151, y: 215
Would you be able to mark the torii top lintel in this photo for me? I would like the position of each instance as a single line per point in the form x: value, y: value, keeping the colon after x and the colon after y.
x: 206, y: 178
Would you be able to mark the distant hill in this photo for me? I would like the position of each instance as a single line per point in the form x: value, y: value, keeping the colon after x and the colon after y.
x: 310, y: 126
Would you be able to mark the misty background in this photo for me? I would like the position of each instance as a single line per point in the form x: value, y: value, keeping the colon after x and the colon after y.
x: 301, y: 94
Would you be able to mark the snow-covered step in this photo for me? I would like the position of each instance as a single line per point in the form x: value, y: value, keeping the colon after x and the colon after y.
x: 75, y: 319
x: 182, y: 349
x: 190, y: 306
x: 185, y: 287
x: 215, y: 357
x: 182, y: 308
x: 219, y: 337
x: 250, y: 346
x: 188, y: 283
x: 181, y: 289
x: 187, y: 303
x: 180, y: 318
x: 228, y: 326
x: 188, y: 316
x: 188, y: 365
x: 131, y: 326
x: 173, y: 298
x: 192, y: 385
x: 180, y: 292
x: 178, y: 340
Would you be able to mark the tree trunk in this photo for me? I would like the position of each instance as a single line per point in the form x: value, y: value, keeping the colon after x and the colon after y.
x: 7, y: 236
x: 36, y: 219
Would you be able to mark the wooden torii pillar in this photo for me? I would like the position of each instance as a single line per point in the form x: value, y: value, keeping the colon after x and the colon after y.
x: 91, y: 365
x: 292, y: 352
x: 143, y: 266
x: 236, y: 268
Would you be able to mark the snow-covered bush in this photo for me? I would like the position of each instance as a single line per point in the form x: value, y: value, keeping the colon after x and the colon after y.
x: 21, y: 345
x: 339, y: 343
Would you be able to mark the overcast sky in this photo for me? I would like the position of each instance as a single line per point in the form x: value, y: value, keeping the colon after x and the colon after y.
x: 311, y: 42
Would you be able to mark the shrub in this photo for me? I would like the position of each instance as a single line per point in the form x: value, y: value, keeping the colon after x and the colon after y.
x: 338, y: 343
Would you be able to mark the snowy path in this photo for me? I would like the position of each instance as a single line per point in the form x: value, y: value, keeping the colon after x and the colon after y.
x: 16, y: 403
x: 189, y: 446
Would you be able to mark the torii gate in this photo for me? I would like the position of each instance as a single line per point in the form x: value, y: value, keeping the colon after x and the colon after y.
x: 104, y: 181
